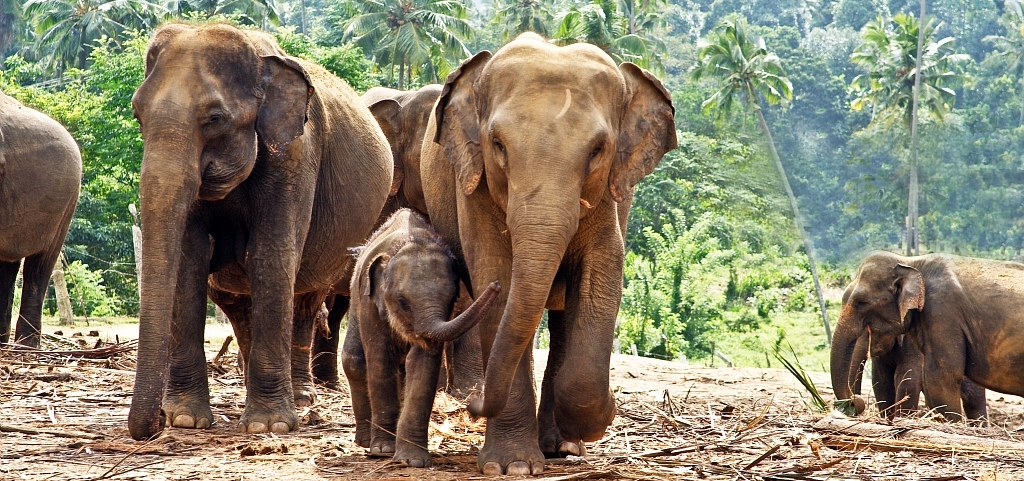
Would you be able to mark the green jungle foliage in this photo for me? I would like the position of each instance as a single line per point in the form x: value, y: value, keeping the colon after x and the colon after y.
x: 713, y: 259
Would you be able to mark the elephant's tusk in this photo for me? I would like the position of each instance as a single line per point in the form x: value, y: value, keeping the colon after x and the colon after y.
x: 586, y: 204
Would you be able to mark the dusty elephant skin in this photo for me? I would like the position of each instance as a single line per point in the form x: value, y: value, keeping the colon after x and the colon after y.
x: 963, y: 315
x: 402, y: 116
x: 897, y: 368
x: 258, y: 171
x: 528, y: 157
x: 406, y: 285
x: 40, y: 177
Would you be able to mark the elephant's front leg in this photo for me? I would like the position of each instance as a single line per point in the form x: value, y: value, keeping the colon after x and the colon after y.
x: 353, y: 361
x: 944, y: 374
x: 383, y: 386
x: 324, y: 363
x: 909, y: 371
x: 307, y: 306
x: 551, y: 441
x: 8, y: 274
x: 422, y: 369
x: 187, y: 399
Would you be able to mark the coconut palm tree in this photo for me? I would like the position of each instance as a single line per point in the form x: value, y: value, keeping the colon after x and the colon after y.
x: 890, y: 56
x: 259, y: 13
x: 1010, y: 47
x: 423, y: 36
x: 518, y: 16
x: 603, y: 24
x: 748, y: 73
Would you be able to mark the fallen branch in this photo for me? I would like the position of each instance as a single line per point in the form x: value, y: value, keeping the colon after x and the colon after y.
x: 860, y: 435
x: 7, y: 428
x: 608, y: 473
x: 100, y: 353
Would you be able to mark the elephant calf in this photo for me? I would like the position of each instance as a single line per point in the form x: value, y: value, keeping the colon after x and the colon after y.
x: 963, y: 314
x: 404, y: 288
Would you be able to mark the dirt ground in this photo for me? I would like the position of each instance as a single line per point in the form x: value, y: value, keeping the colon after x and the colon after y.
x: 64, y: 417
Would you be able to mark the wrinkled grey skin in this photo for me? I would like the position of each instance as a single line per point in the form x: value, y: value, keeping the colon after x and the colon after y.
x: 259, y: 171
x: 40, y: 177
x: 405, y: 285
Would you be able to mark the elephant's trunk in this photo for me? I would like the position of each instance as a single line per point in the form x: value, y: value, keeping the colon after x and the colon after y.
x: 540, y: 236
x: 843, y: 342
x: 447, y: 331
x: 168, y: 185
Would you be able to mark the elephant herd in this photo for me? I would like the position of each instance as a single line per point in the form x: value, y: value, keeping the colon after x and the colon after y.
x: 271, y: 188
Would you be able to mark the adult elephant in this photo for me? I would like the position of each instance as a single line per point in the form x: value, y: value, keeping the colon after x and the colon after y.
x: 897, y: 371
x: 963, y: 315
x: 259, y: 172
x: 402, y: 116
x: 527, y: 154
x: 40, y: 177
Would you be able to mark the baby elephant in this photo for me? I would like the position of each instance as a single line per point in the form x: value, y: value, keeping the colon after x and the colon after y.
x: 403, y: 289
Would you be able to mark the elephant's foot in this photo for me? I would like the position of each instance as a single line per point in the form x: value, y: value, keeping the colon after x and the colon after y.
x: 275, y: 420
x: 553, y: 445
x: 412, y: 455
x: 514, y: 457
x: 305, y: 393
x: 326, y: 373
x: 584, y: 422
x: 381, y: 448
x: 362, y: 435
x: 190, y: 412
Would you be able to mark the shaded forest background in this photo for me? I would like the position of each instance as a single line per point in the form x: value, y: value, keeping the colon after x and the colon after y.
x: 714, y: 262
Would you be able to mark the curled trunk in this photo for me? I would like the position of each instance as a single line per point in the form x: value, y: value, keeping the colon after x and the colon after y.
x: 447, y: 331
x: 843, y: 344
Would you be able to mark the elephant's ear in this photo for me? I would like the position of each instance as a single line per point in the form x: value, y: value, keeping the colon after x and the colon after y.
x: 367, y: 280
x: 647, y: 130
x: 386, y: 111
x: 910, y: 286
x: 458, y: 122
x: 286, y: 91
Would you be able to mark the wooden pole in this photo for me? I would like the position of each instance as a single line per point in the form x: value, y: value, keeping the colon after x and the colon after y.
x: 137, y: 242
x: 60, y: 287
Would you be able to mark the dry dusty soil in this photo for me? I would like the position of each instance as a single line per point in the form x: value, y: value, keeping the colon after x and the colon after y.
x: 63, y: 416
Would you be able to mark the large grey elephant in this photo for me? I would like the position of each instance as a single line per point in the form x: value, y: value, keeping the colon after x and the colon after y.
x: 259, y: 172
x: 528, y: 157
x: 40, y: 177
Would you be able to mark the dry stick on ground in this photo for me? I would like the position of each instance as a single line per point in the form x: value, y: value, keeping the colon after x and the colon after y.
x: 223, y: 350
x: 7, y: 428
x: 925, y: 439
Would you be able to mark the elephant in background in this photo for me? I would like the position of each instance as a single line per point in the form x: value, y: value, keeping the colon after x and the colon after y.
x: 405, y: 285
x: 402, y: 116
x: 897, y: 368
x: 962, y: 314
x: 259, y: 171
x: 527, y: 160
x: 40, y: 178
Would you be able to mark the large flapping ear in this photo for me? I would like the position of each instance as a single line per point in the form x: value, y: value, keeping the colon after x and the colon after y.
x: 365, y: 281
x: 647, y: 130
x: 386, y: 111
x: 910, y: 286
x: 458, y: 122
x: 286, y: 92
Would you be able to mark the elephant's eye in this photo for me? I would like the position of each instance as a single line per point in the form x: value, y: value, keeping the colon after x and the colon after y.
x: 498, y: 145
x: 860, y: 304
x: 595, y: 152
x: 213, y: 119
x: 403, y: 303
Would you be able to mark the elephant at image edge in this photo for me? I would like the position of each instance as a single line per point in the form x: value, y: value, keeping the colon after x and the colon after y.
x: 40, y: 177
x: 897, y: 366
x: 963, y: 314
x: 527, y: 158
x: 258, y: 170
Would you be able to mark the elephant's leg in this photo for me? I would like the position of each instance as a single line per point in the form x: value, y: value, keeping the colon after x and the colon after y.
x: 466, y: 370
x: 973, y: 397
x: 238, y: 309
x: 187, y: 399
x: 551, y: 441
x: 325, y: 349
x: 8, y: 274
x: 36, y: 272
x: 307, y: 306
x: 883, y: 377
x: 510, y: 442
x: 353, y: 361
x: 945, y: 374
x: 383, y: 386
x: 909, y: 371
x: 422, y: 368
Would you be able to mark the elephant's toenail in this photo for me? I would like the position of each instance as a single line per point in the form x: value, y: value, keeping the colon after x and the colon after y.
x: 518, y: 468
x: 280, y: 427
x: 203, y: 423
x: 257, y: 428
x: 184, y: 421
x: 492, y: 469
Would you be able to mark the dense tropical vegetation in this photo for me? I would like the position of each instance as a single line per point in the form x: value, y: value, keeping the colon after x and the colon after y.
x: 715, y: 258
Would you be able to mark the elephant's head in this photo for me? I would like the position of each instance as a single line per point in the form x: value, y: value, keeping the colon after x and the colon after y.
x: 552, y: 132
x: 403, y: 117
x: 214, y: 100
x: 878, y: 301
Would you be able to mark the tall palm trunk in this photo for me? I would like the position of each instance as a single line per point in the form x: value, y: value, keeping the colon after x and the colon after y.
x: 913, y: 247
x: 798, y: 220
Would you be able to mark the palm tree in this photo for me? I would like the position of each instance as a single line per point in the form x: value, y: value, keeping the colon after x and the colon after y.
x: 748, y: 72
x: 602, y: 24
x: 65, y: 28
x: 259, y: 13
x: 1010, y: 47
x: 424, y: 35
x: 10, y: 24
x: 518, y: 16
x: 895, y: 91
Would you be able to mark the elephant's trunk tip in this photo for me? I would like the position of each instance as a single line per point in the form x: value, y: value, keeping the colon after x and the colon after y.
x: 146, y: 429
x: 477, y: 406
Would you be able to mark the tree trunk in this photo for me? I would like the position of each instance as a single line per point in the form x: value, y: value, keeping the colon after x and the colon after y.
x: 303, y: 19
x: 401, y: 74
x: 913, y: 247
x: 799, y: 221
x: 60, y: 287
x: 1021, y: 122
x: 137, y: 243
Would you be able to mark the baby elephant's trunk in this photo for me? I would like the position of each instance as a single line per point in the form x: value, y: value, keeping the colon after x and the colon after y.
x: 447, y: 331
